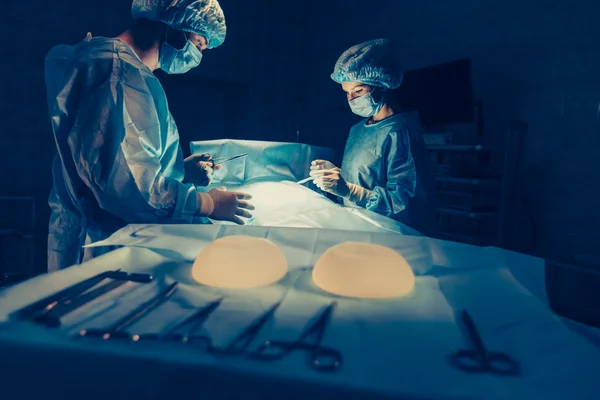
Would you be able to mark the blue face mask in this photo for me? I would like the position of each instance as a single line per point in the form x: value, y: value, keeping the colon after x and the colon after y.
x: 174, y: 61
x: 365, y: 105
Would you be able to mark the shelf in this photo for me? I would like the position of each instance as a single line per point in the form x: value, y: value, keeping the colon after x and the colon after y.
x: 466, y: 214
x: 468, y: 148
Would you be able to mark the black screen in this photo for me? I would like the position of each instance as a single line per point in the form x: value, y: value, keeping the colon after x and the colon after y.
x: 442, y: 94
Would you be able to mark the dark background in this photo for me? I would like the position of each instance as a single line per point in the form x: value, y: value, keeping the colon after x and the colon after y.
x: 533, y: 60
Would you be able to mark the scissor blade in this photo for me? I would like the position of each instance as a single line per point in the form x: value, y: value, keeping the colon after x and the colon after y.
x: 144, y: 309
x: 196, y: 318
x: 225, y: 159
x: 319, y: 325
x: 473, y: 333
x: 242, y: 341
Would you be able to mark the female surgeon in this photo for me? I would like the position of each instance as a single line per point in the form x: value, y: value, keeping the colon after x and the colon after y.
x: 386, y: 167
x: 119, y: 158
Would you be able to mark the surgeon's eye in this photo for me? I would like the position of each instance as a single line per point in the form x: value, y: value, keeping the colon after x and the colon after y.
x: 358, y: 92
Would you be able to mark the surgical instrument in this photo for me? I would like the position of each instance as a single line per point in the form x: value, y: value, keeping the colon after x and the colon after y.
x: 479, y: 359
x: 192, y: 324
x: 118, y: 328
x: 48, y: 303
x: 303, y: 181
x: 222, y: 160
x: 325, y: 359
x: 240, y: 344
x: 52, y: 318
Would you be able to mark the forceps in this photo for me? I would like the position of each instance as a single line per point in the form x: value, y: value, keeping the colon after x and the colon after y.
x: 193, y: 323
x: 325, y: 359
x: 479, y: 359
x: 222, y: 160
x: 117, y: 330
x: 240, y: 344
x: 41, y: 308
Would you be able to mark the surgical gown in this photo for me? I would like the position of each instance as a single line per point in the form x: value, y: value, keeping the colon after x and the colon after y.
x: 390, y: 159
x: 119, y: 160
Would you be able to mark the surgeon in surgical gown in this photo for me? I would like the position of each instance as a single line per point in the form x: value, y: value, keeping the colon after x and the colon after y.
x: 386, y: 167
x: 119, y: 159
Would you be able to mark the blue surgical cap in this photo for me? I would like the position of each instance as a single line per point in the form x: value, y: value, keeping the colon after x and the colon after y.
x: 203, y: 17
x: 372, y: 63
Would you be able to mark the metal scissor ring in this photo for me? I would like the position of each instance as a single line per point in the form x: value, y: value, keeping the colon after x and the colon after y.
x: 321, y: 358
x: 479, y: 359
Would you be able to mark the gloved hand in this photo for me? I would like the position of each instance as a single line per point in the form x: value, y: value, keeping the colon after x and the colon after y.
x: 225, y: 206
x: 319, y: 165
x: 331, y: 181
x: 328, y: 178
x: 199, y: 169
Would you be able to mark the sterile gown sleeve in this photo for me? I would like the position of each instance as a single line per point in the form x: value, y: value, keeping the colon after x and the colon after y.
x: 130, y: 157
x: 400, y: 170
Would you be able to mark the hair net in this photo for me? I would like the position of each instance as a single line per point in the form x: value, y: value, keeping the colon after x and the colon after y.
x: 372, y: 63
x: 203, y: 17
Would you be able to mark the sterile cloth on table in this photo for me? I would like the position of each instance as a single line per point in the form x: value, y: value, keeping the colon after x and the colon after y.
x: 418, y: 327
x: 302, y: 247
x: 237, y: 310
x: 424, y: 255
x: 270, y: 161
x: 512, y: 321
x: 393, y: 346
x: 287, y: 204
x: 269, y: 173
x: 145, y: 261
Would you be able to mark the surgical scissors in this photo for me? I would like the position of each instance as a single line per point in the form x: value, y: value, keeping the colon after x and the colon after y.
x: 222, y: 160
x: 193, y: 323
x: 42, y: 307
x: 240, y: 344
x: 479, y: 359
x: 118, y: 328
x: 325, y: 359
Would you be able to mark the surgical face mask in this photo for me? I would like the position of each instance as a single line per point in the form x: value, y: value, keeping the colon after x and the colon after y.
x: 174, y: 61
x: 365, y: 105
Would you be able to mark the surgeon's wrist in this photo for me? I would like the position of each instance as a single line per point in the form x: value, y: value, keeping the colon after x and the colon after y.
x: 344, y: 190
x: 206, y: 204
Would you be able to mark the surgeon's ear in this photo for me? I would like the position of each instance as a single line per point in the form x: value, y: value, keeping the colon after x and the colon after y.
x: 378, y: 93
x: 176, y: 38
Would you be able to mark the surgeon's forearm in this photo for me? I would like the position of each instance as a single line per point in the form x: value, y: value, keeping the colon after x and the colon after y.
x: 358, y: 195
x: 206, y: 205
